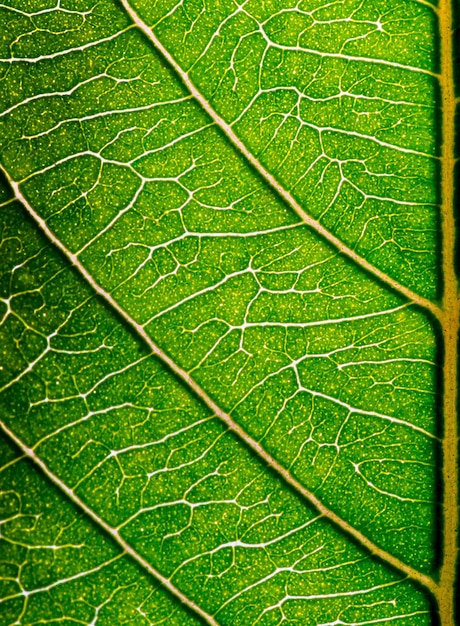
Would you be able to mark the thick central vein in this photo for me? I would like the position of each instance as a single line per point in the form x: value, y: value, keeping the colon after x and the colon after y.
x: 451, y: 323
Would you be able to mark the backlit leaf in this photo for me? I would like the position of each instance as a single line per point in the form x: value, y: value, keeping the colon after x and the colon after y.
x: 227, y: 265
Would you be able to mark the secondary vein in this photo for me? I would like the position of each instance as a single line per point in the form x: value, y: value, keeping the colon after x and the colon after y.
x: 242, y: 435
x: 127, y: 549
x: 274, y: 184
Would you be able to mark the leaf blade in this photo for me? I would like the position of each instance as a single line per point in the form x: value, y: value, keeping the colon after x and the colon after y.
x: 267, y: 279
x: 269, y: 517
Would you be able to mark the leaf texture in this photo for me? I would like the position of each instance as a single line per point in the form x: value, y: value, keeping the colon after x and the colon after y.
x: 220, y: 282
x: 155, y: 465
x: 58, y: 568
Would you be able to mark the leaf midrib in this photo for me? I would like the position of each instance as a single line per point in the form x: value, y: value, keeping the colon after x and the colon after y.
x: 450, y: 470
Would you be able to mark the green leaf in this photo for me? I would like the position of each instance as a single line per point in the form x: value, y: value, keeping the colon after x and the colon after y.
x: 57, y: 566
x: 228, y: 313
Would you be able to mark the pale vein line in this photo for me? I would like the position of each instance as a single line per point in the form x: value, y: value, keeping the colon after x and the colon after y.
x: 108, y: 529
x: 254, y: 445
x: 344, y: 594
x: 4, y: 467
x: 60, y: 53
x: 62, y: 581
x: 72, y: 90
x: 380, y: 620
x: 280, y: 570
x: 325, y: 322
x: 56, y: 9
x: 307, y: 219
x: 350, y: 57
x: 429, y: 5
x: 380, y: 142
x: 358, y: 411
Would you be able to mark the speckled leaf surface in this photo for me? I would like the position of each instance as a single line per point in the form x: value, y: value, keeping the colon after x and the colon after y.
x: 221, y: 311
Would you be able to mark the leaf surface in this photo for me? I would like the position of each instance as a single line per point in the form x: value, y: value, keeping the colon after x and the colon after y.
x: 236, y: 384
